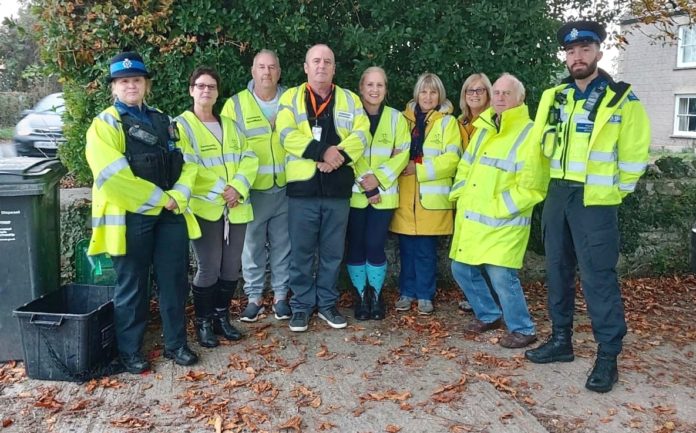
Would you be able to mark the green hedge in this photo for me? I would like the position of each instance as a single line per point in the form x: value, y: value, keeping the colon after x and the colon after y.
x: 450, y: 39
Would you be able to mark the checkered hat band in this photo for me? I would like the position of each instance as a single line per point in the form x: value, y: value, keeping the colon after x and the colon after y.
x: 581, y: 35
x: 128, y: 65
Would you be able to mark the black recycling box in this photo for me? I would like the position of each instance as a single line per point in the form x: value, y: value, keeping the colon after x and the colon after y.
x: 68, y: 334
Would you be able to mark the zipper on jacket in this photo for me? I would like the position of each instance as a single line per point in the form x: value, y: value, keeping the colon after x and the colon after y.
x: 566, y: 137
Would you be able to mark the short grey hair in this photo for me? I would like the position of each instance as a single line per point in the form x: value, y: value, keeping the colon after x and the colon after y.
x: 519, y: 87
x: 269, y: 52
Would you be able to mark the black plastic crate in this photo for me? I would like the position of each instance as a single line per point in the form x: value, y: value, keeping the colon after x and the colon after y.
x: 68, y: 334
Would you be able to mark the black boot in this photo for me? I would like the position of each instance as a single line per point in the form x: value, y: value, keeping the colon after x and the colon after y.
x: 221, y: 322
x: 203, y: 301
x: 361, y: 304
x: 558, y: 348
x: 604, y: 374
x: 377, y: 307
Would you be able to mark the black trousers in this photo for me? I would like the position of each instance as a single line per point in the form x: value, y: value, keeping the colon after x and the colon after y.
x: 585, y: 236
x: 160, y: 241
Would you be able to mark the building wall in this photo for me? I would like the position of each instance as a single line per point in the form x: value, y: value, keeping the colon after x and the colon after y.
x: 651, y: 67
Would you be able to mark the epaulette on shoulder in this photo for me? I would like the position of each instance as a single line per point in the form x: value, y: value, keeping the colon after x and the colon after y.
x: 619, y: 89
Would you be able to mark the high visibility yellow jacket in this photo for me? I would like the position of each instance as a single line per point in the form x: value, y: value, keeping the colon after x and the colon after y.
x: 116, y: 190
x: 424, y: 207
x: 385, y: 158
x: 231, y: 163
x: 261, y: 136
x: 499, y: 180
x: 466, y: 129
x: 608, y: 154
x: 352, y: 127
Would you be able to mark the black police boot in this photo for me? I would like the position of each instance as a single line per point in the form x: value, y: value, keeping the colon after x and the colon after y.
x: 377, y: 307
x: 221, y: 321
x: 604, y: 374
x: 203, y: 298
x: 182, y: 356
x: 558, y: 348
x: 134, y: 363
x: 361, y: 304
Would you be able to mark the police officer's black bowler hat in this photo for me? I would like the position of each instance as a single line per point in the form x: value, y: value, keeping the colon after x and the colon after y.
x: 580, y: 31
x: 127, y: 64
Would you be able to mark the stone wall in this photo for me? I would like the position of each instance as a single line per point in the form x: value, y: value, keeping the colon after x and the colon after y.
x: 655, y: 225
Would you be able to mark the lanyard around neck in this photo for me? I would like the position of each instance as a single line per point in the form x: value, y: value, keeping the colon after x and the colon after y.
x: 313, y: 100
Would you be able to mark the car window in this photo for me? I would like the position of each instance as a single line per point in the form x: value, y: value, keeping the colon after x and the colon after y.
x: 52, y: 102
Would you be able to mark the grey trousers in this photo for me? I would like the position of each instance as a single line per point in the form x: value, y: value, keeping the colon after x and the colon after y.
x: 269, y: 228
x: 218, y: 259
x: 317, y: 228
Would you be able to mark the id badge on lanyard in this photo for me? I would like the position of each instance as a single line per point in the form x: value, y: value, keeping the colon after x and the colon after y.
x: 316, y: 132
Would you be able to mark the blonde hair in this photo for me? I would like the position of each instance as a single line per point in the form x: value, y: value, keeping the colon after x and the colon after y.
x: 432, y: 81
x: 480, y: 76
x: 370, y: 70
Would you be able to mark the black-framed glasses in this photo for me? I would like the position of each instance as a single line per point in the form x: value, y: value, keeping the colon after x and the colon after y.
x: 202, y: 86
x: 479, y: 91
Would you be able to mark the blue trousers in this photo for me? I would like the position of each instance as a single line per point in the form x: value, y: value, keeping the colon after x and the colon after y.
x: 588, y: 237
x: 160, y: 241
x: 317, y: 227
x: 418, y: 256
x: 367, y: 235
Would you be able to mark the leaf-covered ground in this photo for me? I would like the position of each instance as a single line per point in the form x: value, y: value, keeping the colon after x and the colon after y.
x: 408, y: 373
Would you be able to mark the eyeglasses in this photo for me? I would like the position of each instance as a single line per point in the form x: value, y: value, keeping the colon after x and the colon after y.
x: 201, y: 86
x: 480, y: 91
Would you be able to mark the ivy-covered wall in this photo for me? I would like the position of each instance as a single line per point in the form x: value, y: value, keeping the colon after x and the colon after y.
x: 655, y: 224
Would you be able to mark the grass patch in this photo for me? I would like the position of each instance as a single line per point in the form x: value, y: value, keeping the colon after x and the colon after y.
x: 6, y: 133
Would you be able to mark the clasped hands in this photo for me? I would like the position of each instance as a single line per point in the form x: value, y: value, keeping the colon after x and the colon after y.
x: 332, y: 160
x: 231, y: 196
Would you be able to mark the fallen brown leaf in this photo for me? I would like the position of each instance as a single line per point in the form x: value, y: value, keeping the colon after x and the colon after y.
x: 392, y: 428
x: 294, y: 423
x: 7, y: 422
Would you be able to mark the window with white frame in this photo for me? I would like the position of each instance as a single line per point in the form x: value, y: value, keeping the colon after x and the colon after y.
x: 685, y: 116
x: 687, y: 46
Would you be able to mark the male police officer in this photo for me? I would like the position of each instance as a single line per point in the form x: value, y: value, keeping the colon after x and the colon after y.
x: 323, y: 128
x: 255, y: 110
x: 596, y: 134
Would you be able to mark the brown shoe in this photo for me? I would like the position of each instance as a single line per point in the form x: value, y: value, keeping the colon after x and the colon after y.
x: 478, y: 327
x: 515, y: 340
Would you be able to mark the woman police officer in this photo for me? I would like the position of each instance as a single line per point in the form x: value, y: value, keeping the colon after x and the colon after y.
x: 140, y: 213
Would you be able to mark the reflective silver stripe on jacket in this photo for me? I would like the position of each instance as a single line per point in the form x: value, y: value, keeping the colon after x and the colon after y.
x: 431, y: 189
x: 270, y: 169
x: 241, y: 121
x: 429, y: 166
x: 378, y: 151
x: 599, y: 156
x: 518, y: 221
x: 632, y: 167
x: 109, y: 118
x: 388, y: 172
x: 185, y: 190
x: 628, y: 187
x: 152, y: 201
x: 109, y: 220
x: 189, y: 133
x: 458, y: 185
x: 111, y: 170
x: 604, y: 180
x: 510, y: 203
x: 576, y: 166
x: 508, y: 164
x: 469, y: 157
x: 241, y: 178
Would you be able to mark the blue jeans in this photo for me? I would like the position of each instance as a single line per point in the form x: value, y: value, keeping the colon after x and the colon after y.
x: 418, y: 266
x: 507, y: 287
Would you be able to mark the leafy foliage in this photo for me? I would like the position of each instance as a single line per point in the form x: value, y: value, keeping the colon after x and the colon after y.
x: 79, y: 36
